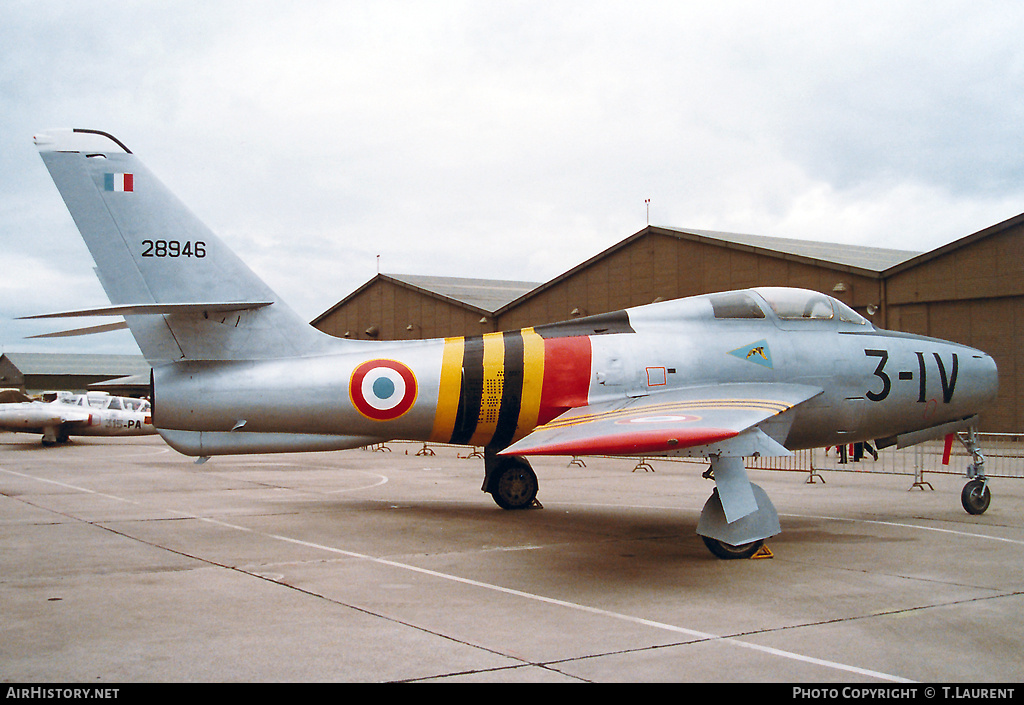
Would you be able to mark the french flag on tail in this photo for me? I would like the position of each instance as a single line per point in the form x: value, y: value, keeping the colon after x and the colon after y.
x: 118, y: 182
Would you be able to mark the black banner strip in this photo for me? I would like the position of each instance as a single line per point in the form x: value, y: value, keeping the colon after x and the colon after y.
x: 511, y: 391
x: 472, y: 391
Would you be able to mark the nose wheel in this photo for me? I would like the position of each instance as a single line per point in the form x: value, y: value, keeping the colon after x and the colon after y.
x: 975, y: 497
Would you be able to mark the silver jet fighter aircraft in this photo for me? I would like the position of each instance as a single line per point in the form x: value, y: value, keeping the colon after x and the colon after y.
x: 723, y: 376
x: 92, y: 414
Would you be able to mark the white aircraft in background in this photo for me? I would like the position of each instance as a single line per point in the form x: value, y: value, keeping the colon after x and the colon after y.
x: 91, y: 414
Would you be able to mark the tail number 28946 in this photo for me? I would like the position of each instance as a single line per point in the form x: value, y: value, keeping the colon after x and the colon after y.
x: 173, y: 248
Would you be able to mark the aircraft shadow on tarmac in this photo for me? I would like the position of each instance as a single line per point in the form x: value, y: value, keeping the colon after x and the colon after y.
x: 578, y: 543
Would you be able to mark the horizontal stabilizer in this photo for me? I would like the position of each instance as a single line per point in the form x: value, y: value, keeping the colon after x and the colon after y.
x: 156, y: 309
x: 89, y: 330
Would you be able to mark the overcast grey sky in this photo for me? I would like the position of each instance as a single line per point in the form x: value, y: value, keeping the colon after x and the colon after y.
x: 506, y: 139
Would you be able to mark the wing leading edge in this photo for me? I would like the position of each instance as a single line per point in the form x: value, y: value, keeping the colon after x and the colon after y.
x: 695, y: 421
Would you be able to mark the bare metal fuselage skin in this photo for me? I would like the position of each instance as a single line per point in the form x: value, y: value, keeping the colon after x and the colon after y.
x: 723, y: 376
x: 494, y: 389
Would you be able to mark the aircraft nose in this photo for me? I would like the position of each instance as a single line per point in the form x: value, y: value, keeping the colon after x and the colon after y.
x: 982, y: 380
x: 988, y: 377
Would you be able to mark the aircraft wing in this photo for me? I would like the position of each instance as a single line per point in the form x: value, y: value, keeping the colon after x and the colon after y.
x: 35, y: 414
x: 715, y: 419
x: 76, y: 417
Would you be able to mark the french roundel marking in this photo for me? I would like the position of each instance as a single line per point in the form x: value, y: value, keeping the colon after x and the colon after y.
x: 382, y: 390
x: 660, y: 419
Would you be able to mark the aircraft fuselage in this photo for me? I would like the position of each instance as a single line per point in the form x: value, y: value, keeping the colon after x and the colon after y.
x: 492, y: 390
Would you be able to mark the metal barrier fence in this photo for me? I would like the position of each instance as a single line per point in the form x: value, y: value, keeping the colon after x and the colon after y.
x: 1004, y: 457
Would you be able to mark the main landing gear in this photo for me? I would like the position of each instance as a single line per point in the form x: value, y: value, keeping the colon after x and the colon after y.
x: 975, y: 496
x: 510, y: 481
x: 52, y: 435
x: 736, y: 519
x: 738, y: 516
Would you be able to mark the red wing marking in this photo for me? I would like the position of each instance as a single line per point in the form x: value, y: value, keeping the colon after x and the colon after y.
x: 632, y: 443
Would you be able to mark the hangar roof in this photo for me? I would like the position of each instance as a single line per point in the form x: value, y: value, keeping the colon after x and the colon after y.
x: 957, y: 244
x: 62, y: 371
x: 68, y: 364
x: 870, y: 261
x: 496, y: 296
x: 484, y: 294
x: 874, y: 259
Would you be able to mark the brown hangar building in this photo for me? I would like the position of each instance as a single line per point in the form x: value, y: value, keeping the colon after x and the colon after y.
x: 970, y: 291
x: 412, y: 307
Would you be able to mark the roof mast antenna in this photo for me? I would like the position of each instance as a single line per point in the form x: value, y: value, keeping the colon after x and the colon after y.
x: 648, y: 202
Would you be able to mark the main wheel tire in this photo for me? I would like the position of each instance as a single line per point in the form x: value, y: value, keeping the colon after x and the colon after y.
x: 516, y: 486
x: 975, y: 497
x: 728, y: 552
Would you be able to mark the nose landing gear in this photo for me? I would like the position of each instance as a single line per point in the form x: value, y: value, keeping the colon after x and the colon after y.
x: 975, y: 497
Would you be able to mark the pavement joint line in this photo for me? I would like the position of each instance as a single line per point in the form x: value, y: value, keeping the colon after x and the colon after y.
x: 698, y: 635
x: 587, y: 609
x: 904, y: 525
x: 260, y: 576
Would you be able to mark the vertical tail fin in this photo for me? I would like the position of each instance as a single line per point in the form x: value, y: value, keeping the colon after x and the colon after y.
x: 184, y: 294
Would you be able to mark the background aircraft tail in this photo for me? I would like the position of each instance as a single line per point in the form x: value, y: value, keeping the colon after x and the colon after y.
x: 184, y: 294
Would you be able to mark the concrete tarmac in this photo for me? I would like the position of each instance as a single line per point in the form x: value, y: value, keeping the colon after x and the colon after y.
x: 123, y: 561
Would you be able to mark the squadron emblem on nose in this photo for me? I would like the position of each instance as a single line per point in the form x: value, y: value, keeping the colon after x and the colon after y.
x: 758, y: 353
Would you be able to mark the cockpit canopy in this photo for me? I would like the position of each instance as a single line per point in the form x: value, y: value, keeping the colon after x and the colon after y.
x: 787, y: 304
x: 103, y: 400
x: 800, y: 304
